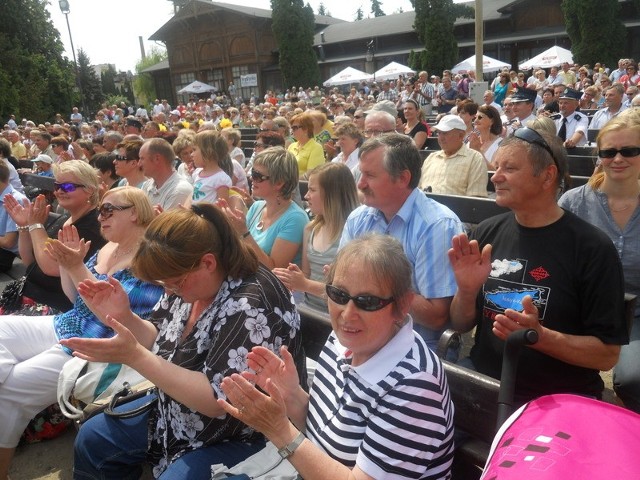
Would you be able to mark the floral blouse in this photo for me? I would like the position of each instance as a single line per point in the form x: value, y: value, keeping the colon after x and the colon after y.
x: 257, y: 310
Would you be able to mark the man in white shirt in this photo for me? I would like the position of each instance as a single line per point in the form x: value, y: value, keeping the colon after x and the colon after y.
x: 571, y: 126
x: 613, y: 100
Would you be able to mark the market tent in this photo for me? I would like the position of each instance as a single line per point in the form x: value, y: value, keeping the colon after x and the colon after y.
x: 392, y: 71
x: 552, y: 57
x: 346, y: 76
x: 197, y: 87
x: 488, y: 65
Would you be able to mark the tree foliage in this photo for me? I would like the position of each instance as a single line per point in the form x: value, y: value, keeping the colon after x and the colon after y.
x: 376, y: 8
x: 433, y: 24
x: 321, y: 9
x: 143, y: 87
x: 107, y: 79
x: 595, y: 30
x: 90, y: 83
x: 36, y: 81
x: 293, y: 27
x: 359, y: 13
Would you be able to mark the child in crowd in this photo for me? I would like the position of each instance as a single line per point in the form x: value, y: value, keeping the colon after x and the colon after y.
x: 212, y: 177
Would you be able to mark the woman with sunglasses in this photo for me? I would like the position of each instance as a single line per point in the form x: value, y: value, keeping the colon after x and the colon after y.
x: 306, y: 150
x: 128, y: 165
x: 30, y: 355
x: 332, y: 195
x: 219, y: 304
x: 487, y: 135
x: 364, y: 416
x: 610, y: 201
x: 77, y: 191
x: 273, y: 227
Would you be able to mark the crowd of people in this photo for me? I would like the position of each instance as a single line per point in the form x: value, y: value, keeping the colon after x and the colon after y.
x: 176, y: 249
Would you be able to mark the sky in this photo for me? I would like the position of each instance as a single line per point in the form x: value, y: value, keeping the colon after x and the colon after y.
x: 108, y: 30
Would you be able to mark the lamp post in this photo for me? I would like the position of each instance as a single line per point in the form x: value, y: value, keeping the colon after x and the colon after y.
x: 370, y: 56
x: 65, y: 9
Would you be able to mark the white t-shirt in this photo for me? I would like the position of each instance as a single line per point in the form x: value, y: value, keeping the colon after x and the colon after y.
x: 205, y: 189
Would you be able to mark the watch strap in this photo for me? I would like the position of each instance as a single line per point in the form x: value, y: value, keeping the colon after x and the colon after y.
x: 286, y: 451
x: 35, y: 226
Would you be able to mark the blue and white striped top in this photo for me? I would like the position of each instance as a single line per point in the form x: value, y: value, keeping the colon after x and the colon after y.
x: 392, y: 416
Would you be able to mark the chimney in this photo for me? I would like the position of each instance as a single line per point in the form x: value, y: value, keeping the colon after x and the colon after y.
x: 141, y: 47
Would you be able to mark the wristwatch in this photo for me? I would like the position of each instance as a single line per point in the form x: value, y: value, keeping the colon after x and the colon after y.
x: 35, y: 226
x: 286, y: 451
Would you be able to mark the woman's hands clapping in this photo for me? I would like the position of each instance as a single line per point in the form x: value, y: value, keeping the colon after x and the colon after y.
x: 69, y: 250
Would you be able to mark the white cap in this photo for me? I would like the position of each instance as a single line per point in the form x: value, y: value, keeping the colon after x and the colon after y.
x: 450, y: 122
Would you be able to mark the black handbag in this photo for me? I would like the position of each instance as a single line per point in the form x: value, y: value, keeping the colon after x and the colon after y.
x: 125, y: 396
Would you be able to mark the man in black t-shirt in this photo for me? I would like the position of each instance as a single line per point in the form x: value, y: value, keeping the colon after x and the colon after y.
x: 539, y: 267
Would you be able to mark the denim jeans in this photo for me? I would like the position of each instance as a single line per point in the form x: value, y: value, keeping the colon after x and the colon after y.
x: 111, y: 448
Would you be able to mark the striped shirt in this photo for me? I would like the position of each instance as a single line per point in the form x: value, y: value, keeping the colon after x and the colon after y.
x: 392, y: 416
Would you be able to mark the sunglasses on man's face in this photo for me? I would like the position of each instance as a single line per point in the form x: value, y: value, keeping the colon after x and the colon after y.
x: 626, y: 152
x: 368, y: 303
x: 67, y: 187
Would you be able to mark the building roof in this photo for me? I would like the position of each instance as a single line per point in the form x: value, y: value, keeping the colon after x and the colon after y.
x: 398, y: 23
x: 191, y: 9
x: 163, y: 65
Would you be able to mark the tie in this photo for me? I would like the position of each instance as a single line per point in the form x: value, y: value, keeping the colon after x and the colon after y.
x: 563, y: 130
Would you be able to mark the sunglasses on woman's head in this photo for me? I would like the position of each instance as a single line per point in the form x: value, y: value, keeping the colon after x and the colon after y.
x: 67, y: 187
x: 106, y: 209
x: 122, y: 158
x: 368, y: 303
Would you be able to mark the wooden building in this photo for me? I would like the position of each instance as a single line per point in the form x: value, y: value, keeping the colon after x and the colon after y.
x: 219, y: 43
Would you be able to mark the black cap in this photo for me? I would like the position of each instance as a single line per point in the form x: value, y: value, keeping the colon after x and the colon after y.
x: 572, y: 94
x: 524, y: 95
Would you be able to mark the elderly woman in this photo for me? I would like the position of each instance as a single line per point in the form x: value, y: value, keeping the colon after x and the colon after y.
x: 273, y: 227
x: 610, y: 201
x: 306, y: 150
x: 77, y: 190
x: 219, y: 304
x: 30, y: 355
x: 350, y: 138
x: 365, y: 414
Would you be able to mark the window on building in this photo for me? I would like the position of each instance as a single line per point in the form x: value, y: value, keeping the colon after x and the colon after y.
x: 244, y: 92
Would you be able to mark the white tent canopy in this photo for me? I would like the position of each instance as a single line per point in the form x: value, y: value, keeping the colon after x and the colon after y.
x: 488, y: 65
x: 392, y: 71
x: 347, y: 76
x: 197, y: 87
x: 552, y: 57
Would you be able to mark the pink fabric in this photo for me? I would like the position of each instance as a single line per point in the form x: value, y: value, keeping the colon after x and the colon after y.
x: 564, y: 437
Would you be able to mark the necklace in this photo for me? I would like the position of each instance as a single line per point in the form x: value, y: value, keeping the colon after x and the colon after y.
x: 260, y: 224
x: 626, y: 207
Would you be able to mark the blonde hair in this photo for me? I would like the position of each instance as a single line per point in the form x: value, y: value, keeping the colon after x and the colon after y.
x: 85, y: 174
x: 214, y: 148
x: 340, y: 197
x: 140, y: 201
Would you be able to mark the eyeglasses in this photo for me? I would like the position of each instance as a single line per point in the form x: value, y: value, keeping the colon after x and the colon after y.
x: 368, y: 303
x: 258, y: 145
x: 67, y: 187
x: 258, y: 177
x: 626, y: 152
x: 376, y: 133
x: 295, y: 127
x: 123, y: 158
x: 106, y: 209
x: 175, y: 287
x: 529, y: 135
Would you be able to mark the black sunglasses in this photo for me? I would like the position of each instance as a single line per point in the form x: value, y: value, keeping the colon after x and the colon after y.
x: 529, y: 135
x: 67, y: 187
x: 368, y: 303
x: 122, y: 158
x: 626, y: 152
x: 106, y: 209
x: 258, y: 177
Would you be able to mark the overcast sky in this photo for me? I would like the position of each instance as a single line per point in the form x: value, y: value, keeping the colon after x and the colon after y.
x: 108, y: 30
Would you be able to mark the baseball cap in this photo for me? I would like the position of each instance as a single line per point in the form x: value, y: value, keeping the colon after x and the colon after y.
x: 43, y: 158
x: 450, y: 122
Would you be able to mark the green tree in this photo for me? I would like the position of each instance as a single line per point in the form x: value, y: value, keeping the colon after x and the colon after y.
x: 107, y: 79
x: 359, y: 14
x: 376, y: 8
x: 595, y: 30
x: 321, y: 9
x: 434, y: 26
x: 293, y: 26
x: 91, y: 87
x: 144, y: 89
x: 36, y: 81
